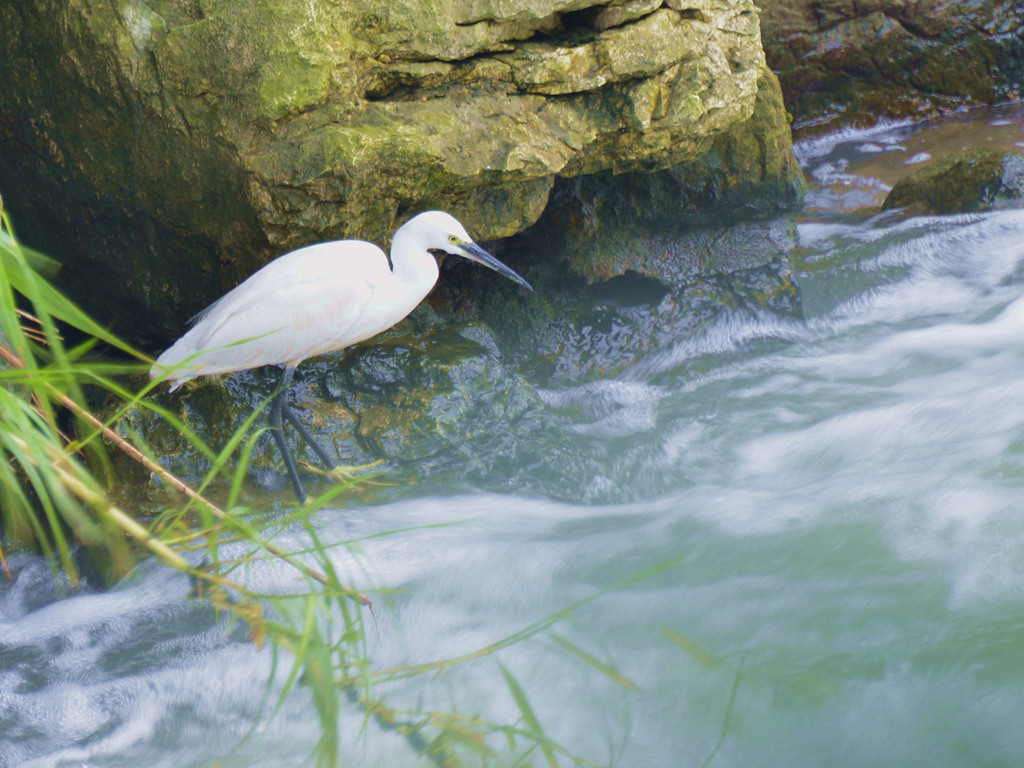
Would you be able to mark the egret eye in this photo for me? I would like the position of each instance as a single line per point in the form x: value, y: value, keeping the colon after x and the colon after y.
x: 453, y: 239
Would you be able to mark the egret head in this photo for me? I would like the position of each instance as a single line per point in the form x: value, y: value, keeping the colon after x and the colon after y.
x: 440, y: 231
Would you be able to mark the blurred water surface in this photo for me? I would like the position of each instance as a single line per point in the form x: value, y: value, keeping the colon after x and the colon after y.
x: 839, y: 500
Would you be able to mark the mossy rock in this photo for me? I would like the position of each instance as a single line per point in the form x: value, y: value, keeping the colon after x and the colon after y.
x: 974, y: 180
x: 673, y: 223
x: 166, y: 150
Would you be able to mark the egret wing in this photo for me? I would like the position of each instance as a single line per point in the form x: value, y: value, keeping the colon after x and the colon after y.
x: 302, y: 304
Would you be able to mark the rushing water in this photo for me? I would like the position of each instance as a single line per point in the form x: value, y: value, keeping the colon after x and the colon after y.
x: 838, y: 504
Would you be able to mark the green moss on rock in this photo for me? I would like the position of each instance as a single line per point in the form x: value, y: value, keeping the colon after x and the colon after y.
x: 209, y: 137
x: 974, y: 180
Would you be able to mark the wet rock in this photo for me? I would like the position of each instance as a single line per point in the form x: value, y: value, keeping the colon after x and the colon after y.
x: 627, y: 267
x: 570, y: 331
x: 854, y: 61
x: 974, y: 180
x: 444, y: 404
x: 610, y: 336
x: 439, y: 407
x: 694, y: 252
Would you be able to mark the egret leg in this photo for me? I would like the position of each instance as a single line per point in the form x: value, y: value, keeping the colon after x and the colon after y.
x: 328, y: 462
x: 277, y: 407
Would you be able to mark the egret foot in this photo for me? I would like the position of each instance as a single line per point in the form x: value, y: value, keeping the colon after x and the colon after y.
x: 341, y: 474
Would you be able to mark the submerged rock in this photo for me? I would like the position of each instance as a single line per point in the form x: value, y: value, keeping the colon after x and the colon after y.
x: 444, y: 404
x: 974, y: 180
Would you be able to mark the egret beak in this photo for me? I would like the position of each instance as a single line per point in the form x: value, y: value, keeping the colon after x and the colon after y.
x: 474, y: 252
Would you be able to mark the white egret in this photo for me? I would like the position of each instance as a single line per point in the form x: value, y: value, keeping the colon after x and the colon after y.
x: 315, y: 300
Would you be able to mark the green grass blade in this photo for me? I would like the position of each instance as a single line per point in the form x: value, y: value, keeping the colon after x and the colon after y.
x: 603, y: 667
x: 704, y: 658
x: 529, y: 716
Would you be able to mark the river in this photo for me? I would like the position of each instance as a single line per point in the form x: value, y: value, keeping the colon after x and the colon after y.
x: 829, y: 513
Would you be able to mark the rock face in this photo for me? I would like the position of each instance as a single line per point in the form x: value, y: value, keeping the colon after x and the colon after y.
x: 660, y: 223
x: 974, y: 180
x: 166, y: 149
x: 852, y: 61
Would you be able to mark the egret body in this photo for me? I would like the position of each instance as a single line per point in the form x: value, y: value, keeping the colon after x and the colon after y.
x: 315, y: 300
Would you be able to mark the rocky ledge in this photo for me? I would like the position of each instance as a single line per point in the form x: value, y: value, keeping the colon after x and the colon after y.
x: 166, y: 149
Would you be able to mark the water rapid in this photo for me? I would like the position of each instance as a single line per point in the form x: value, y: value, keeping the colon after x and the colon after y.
x: 828, y: 512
